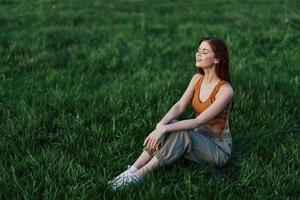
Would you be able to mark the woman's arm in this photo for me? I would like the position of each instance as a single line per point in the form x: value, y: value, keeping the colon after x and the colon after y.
x: 178, y: 108
x: 223, y: 97
x: 174, y: 112
x: 156, y: 137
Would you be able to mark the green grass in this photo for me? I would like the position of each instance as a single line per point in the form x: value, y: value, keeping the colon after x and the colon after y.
x: 84, y: 82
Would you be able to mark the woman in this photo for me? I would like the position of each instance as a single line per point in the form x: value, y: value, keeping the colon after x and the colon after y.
x: 206, y: 138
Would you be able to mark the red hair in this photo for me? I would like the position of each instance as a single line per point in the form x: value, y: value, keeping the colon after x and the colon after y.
x: 222, y: 67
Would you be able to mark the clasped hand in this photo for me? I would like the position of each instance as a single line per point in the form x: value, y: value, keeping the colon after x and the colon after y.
x: 156, y: 138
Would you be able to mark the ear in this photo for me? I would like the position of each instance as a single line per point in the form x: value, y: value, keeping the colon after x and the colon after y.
x: 216, y: 60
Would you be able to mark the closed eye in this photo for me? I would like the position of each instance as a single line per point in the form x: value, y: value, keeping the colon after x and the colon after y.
x: 204, y: 51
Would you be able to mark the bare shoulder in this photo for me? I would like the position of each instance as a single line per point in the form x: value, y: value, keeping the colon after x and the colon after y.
x: 195, y: 78
x: 197, y: 75
x: 225, y: 89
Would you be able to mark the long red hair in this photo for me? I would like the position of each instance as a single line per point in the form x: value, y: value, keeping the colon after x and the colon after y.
x: 221, y: 53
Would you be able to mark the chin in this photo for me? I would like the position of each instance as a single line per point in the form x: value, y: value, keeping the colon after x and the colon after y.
x: 198, y: 66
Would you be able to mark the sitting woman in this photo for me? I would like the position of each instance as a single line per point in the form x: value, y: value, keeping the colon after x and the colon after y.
x: 207, y: 137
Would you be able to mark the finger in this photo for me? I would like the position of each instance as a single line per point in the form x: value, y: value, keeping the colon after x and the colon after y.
x: 154, y: 143
x: 149, y: 142
x: 145, y: 141
x: 159, y: 144
x: 157, y: 147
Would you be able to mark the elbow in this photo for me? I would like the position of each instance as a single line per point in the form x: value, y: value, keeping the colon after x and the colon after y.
x: 178, y: 108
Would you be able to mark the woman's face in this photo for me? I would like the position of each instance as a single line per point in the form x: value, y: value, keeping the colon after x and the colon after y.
x: 205, y: 56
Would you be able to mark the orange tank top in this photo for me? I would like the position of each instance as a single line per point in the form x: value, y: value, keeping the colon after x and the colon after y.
x: 219, y: 123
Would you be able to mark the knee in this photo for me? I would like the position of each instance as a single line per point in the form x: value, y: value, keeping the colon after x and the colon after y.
x: 175, y: 135
x: 178, y: 138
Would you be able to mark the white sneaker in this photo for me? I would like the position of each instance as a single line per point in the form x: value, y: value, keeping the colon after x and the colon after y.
x: 125, y: 178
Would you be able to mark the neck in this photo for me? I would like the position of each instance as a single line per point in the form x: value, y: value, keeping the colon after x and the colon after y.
x: 210, y: 75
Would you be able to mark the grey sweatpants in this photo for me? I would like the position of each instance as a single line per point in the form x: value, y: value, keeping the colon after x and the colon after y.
x: 196, y: 145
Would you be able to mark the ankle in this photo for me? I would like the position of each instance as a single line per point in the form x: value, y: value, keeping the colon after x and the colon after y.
x: 141, y: 173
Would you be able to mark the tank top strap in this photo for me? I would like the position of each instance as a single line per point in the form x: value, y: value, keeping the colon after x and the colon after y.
x: 216, y: 89
x: 196, y: 85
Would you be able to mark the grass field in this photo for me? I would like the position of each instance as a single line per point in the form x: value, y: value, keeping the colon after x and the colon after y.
x: 84, y: 82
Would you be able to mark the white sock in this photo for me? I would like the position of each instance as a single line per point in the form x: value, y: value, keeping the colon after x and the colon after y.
x: 133, y: 169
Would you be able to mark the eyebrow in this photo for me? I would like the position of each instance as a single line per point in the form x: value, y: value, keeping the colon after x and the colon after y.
x: 203, y: 49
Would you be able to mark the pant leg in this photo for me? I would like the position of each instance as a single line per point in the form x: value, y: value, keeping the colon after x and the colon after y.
x: 195, y: 145
x: 206, y: 148
x: 175, y: 145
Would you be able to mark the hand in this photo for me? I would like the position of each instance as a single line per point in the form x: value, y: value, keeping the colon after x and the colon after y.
x: 160, y: 142
x: 154, y: 139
